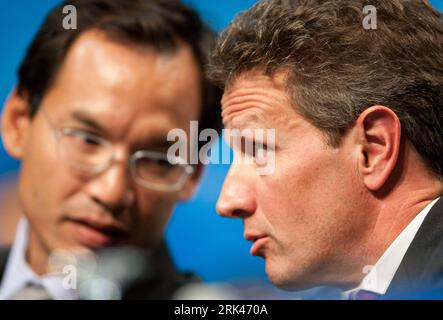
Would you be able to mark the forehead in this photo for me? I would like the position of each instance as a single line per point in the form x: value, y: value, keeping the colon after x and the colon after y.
x: 254, y: 97
x: 125, y: 84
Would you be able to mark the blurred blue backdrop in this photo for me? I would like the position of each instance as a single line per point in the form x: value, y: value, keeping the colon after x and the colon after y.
x: 199, y: 239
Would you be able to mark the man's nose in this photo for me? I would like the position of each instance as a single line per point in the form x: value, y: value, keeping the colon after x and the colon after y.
x: 112, y: 188
x: 237, y: 198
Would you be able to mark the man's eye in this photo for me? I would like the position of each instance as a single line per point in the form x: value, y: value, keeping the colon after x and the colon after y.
x: 82, y: 139
x: 85, y: 138
x: 163, y: 163
x: 260, y: 150
x: 90, y: 140
x: 254, y: 149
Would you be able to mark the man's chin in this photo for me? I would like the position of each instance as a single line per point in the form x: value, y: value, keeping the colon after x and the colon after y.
x: 289, y: 280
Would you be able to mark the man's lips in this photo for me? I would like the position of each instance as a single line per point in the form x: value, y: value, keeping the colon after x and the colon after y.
x: 259, y: 240
x: 95, y: 232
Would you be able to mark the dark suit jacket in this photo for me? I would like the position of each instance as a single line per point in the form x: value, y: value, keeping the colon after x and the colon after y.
x: 4, y: 253
x: 420, y: 274
x: 166, y: 280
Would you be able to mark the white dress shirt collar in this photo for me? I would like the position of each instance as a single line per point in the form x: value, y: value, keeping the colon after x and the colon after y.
x: 380, y: 275
x: 18, y: 273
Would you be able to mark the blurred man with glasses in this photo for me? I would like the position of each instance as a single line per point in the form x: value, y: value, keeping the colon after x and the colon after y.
x: 89, y: 120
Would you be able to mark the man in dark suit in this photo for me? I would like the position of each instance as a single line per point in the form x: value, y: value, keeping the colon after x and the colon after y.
x: 89, y: 120
x: 354, y: 93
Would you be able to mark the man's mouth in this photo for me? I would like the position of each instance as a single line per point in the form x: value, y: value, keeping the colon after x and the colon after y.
x: 94, y: 232
x: 259, y: 242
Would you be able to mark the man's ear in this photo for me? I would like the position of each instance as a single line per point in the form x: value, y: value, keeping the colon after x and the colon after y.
x: 15, y: 127
x: 379, y: 131
x: 188, y: 190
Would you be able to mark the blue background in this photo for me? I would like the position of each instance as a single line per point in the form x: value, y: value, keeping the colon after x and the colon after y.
x: 199, y: 239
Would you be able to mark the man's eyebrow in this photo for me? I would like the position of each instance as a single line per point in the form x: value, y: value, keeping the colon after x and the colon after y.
x: 88, y: 121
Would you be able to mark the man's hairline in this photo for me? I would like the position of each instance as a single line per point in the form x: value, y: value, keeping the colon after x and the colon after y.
x: 178, y: 43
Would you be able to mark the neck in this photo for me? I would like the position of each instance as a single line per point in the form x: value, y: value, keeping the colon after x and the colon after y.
x: 36, y: 254
x: 392, y: 214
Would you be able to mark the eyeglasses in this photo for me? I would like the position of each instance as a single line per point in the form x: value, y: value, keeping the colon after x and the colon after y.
x: 92, y: 155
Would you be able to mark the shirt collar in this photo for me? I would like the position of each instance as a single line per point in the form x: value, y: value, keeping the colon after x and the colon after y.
x: 18, y: 273
x: 380, y: 275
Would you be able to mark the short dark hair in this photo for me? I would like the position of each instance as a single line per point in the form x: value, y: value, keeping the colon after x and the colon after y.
x: 337, y: 68
x: 161, y: 24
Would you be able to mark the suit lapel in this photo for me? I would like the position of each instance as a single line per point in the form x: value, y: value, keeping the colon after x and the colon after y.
x: 4, y: 254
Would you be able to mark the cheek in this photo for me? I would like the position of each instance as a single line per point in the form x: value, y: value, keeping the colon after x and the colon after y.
x: 300, y: 179
x: 44, y: 180
x: 310, y: 202
x: 299, y: 198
